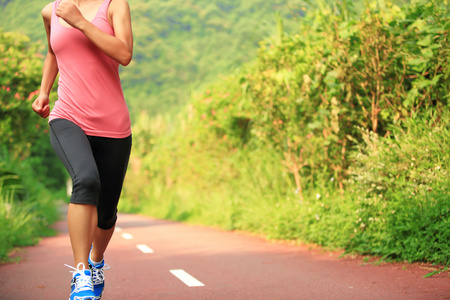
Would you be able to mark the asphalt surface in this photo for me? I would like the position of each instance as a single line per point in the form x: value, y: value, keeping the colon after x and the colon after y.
x: 153, y: 259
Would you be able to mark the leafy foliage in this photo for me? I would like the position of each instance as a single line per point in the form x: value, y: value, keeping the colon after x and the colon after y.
x: 327, y: 85
x: 28, y: 166
x: 19, y: 80
x: 24, y: 134
x: 305, y: 138
x: 403, y: 192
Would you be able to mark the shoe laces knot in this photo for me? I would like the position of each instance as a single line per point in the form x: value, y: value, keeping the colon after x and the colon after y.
x: 83, y: 281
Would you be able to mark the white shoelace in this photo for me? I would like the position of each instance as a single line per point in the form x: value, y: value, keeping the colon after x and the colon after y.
x: 83, y: 282
x: 97, y: 274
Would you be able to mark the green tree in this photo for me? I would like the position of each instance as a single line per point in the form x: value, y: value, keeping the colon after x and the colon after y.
x: 31, y: 177
x: 23, y: 133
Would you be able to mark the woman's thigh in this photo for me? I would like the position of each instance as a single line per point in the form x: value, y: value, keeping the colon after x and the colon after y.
x: 74, y: 150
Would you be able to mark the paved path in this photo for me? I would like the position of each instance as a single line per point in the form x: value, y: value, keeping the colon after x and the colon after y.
x: 177, y: 261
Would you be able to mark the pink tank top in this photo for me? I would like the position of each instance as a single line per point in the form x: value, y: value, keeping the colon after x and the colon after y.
x: 89, y: 92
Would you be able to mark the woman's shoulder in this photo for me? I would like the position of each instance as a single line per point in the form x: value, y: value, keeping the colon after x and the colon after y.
x: 118, y: 7
x: 47, y: 11
x: 118, y: 4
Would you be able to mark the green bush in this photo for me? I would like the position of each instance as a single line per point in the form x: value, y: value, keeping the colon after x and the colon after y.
x: 23, y: 133
x: 402, y: 189
x: 31, y: 177
x: 322, y: 139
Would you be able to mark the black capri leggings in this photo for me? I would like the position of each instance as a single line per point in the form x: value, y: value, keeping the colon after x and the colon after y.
x: 97, y: 166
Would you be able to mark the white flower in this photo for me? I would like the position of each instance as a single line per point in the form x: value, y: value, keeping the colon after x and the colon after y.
x: 318, y: 196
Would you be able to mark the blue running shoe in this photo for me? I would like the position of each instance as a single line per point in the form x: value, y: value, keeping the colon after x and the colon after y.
x: 81, y: 285
x: 98, y: 277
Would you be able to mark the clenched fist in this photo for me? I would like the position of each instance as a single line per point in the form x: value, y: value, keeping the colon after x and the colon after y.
x: 41, y: 106
x: 70, y: 13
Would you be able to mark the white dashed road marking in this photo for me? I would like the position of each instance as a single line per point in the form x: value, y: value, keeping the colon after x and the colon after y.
x: 182, y: 275
x: 127, y: 236
x: 186, y: 278
x: 145, y: 249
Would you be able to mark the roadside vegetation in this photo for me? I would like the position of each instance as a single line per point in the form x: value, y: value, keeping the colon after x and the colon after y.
x: 337, y: 135
x: 30, y: 178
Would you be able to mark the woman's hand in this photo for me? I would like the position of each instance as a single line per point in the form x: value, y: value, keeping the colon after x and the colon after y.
x: 70, y: 13
x: 118, y: 46
x: 41, y: 106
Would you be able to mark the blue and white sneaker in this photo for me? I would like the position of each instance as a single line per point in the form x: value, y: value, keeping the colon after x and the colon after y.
x: 81, y: 286
x: 98, y: 277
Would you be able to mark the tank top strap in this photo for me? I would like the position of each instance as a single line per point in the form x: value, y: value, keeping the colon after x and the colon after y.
x: 54, y: 17
x: 103, y: 10
x: 55, y: 6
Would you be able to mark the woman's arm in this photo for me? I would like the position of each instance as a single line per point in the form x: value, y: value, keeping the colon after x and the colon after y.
x: 50, y: 70
x: 118, y: 47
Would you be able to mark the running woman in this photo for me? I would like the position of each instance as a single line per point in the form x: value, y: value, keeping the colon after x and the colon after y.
x: 90, y: 127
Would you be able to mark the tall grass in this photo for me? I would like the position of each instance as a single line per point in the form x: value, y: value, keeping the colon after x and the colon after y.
x: 26, y: 211
x: 396, y: 202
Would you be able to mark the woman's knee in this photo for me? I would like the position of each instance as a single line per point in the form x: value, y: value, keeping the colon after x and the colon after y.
x: 86, y: 188
x: 106, y: 221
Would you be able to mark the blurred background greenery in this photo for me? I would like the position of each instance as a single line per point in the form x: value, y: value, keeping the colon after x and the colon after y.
x: 179, y: 45
x: 322, y: 122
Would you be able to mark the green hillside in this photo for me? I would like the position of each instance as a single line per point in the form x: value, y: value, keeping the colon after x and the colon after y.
x: 179, y: 45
